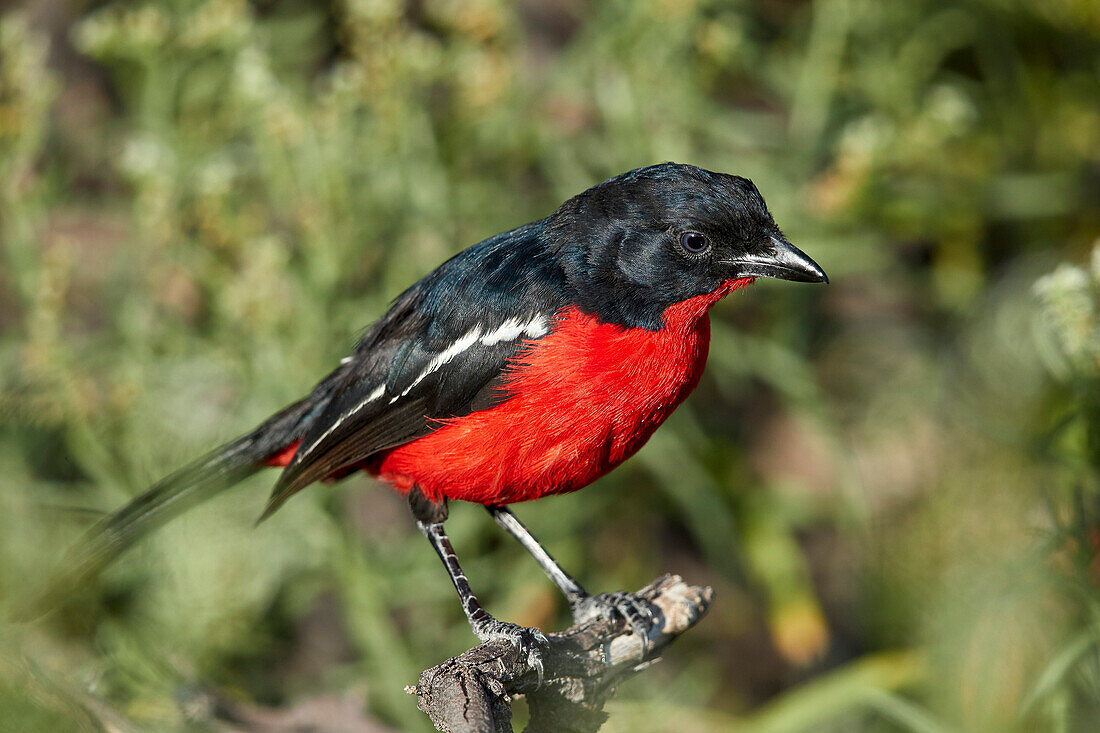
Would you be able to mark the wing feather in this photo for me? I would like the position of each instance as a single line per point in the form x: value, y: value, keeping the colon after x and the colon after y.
x: 392, y: 428
x: 439, y: 352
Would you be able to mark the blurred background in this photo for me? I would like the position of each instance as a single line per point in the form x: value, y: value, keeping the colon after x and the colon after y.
x: 891, y: 482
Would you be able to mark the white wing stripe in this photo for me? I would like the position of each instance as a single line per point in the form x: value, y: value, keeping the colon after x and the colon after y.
x: 375, y: 394
x: 510, y: 330
x: 442, y: 358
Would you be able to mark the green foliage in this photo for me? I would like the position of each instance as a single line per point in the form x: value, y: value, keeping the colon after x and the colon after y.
x: 891, y: 482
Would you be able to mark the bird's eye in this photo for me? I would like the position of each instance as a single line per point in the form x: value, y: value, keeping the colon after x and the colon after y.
x: 694, y: 242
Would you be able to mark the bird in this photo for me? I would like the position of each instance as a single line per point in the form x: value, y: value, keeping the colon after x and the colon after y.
x: 527, y: 365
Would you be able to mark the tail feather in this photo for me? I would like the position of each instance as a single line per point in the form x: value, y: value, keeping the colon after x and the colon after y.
x: 168, y: 498
x: 165, y: 500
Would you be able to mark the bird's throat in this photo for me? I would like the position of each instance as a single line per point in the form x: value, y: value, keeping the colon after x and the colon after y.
x: 687, y: 313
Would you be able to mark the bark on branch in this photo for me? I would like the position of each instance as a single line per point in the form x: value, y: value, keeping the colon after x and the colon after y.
x: 472, y: 693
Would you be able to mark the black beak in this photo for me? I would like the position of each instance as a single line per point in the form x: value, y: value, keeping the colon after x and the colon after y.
x: 785, y: 262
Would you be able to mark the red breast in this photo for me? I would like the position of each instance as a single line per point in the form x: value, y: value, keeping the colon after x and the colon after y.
x: 585, y: 397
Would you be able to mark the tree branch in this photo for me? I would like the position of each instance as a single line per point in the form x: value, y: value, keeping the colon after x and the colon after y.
x: 471, y: 693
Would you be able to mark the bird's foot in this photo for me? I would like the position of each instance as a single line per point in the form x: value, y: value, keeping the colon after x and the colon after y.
x: 530, y: 641
x: 638, y: 613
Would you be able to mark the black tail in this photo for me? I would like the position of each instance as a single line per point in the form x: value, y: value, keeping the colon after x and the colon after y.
x: 168, y: 498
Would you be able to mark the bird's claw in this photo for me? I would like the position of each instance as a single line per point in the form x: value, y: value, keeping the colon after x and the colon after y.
x: 639, y: 614
x: 529, y: 640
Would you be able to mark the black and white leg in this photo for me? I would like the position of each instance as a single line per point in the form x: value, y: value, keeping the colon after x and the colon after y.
x: 429, y: 519
x: 637, y: 612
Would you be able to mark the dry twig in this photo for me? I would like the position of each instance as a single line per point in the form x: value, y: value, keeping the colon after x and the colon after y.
x: 471, y: 693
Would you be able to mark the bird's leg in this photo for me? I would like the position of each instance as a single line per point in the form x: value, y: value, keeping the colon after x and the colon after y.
x: 568, y: 585
x: 637, y: 612
x: 429, y: 519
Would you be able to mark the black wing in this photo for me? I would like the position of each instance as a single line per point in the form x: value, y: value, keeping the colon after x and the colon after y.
x: 440, y: 351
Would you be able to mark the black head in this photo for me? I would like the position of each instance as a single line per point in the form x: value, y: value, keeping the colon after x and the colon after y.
x: 647, y: 239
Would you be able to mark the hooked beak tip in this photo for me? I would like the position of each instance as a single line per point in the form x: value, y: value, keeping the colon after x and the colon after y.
x: 785, y: 262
